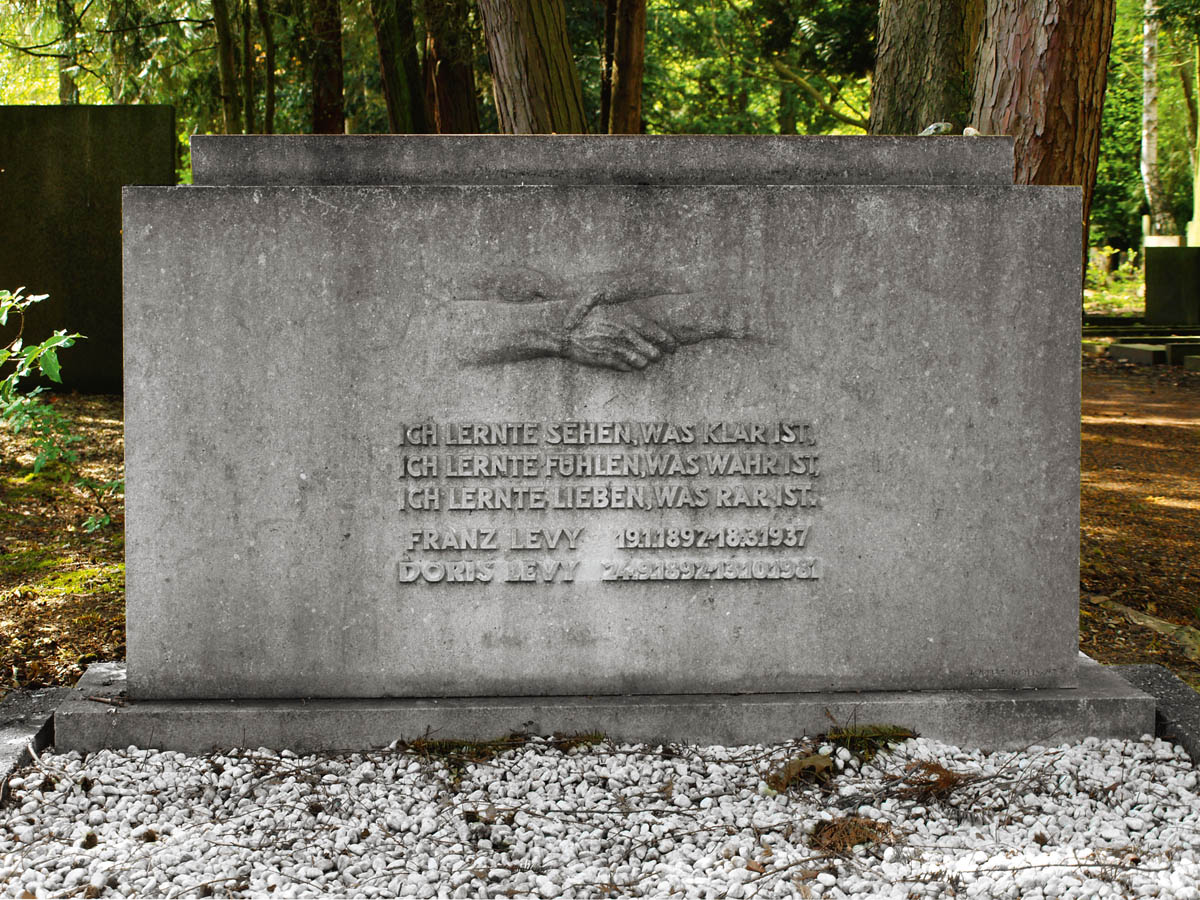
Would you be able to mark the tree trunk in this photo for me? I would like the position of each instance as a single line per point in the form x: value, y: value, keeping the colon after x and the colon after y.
x: 231, y: 120
x: 534, y: 78
x: 399, y: 68
x: 1040, y: 74
x: 68, y: 88
x: 606, y: 62
x: 1160, y: 217
x: 629, y: 53
x: 329, y: 114
x: 1193, y: 227
x: 247, y: 70
x: 1187, y: 83
x: 449, y: 70
x: 786, y: 117
x: 264, y: 22
x: 923, y: 64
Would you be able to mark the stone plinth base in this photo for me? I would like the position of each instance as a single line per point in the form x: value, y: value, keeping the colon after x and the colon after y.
x: 1103, y: 705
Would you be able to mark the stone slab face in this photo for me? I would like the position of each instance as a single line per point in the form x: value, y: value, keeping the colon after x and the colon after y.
x: 1142, y: 354
x: 1172, y: 286
x: 379, y: 443
x: 1177, y: 705
x: 1192, y: 363
x: 615, y: 159
x: 1101, y: 704
x: 61, y: 173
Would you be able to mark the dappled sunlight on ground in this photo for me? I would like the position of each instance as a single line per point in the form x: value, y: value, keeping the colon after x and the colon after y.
x: 1140, y: 503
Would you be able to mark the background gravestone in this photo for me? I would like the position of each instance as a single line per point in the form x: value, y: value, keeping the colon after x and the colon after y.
x: 1172, y: 286
x: 61, y: 173
x: 691, y: 460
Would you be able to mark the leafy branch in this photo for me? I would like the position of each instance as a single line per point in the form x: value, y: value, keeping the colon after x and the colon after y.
x: 51, y: 433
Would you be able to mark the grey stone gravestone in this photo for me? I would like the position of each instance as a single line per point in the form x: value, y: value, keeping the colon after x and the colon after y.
x: 528, y: 445
x: 61, y: 173
x: 1142, y: 354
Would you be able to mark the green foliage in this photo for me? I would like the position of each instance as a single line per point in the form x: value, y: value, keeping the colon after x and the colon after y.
x: 757, y: 66
x: 1113, y: 291
x: 27, y: 411
x: 1182, y: 15
x: 1118, y: 201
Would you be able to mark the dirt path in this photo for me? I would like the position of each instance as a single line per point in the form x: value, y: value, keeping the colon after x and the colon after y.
x: 1140, y: 503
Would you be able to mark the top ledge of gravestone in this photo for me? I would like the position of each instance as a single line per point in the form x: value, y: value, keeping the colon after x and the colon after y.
x: 599, y: 159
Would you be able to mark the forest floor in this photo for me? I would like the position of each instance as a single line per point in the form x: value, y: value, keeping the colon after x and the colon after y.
x: 62, y: 597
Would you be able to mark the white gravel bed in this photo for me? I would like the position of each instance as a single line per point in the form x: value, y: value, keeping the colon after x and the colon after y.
x: 1097, y: 819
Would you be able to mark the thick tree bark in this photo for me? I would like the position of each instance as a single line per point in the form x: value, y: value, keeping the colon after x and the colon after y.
x: 329, y: 114
x: 399, y: 67
x: 629, y: 52
x: 1040, y: 74
x: 230, y: 113
x: 923, y: 64
x: 1160, y: 217
x: 449, y: 72
x: 534, y: 79
x: 247, y: 70
x: 268, y: 31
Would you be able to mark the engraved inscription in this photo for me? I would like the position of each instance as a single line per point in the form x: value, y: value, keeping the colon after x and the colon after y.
x: 558, y: 498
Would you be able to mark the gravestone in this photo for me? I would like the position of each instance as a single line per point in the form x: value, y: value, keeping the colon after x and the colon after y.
x: 545, y: 441
x: 1142, y: 354
x: 1172, y: 286
x: 61, y: 173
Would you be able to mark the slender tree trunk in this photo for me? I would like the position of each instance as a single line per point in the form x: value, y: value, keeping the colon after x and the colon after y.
x: 629, y: 52
x: 268, y: 31
x: 329, y: 114
x: 1193, y: 227
x: 606, y: 62
x: 1040, y: 74
x: 786, y: 118
x: 449, y: 70
x: 1160, y: 217
x: 923, y: 64
x: 247, y: 69
x: 1187, y: 78
x: 231, y: 120
x: 534, y: 78
x: 68, y: 88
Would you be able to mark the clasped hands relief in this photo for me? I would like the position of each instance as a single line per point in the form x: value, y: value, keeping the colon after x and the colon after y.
x: 626, y: 325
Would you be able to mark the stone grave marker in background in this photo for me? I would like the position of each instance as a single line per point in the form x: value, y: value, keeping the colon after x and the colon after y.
x: 1172, y: 286
x: 61, y: 173
x: 692, y: 438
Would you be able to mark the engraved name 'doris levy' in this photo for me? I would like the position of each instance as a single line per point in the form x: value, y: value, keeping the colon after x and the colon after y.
x: 592, y: 501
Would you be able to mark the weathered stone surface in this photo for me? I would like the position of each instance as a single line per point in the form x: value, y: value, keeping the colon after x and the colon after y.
x: 1172, y: 286
x: 285, y: 347
x: 26, y: 722
x: 61, y: 172
x: 1102, y: 704
x: 1192, y: 363
x: 1177, y: 706
x: 1142, y: 354
x: 615, y: 159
